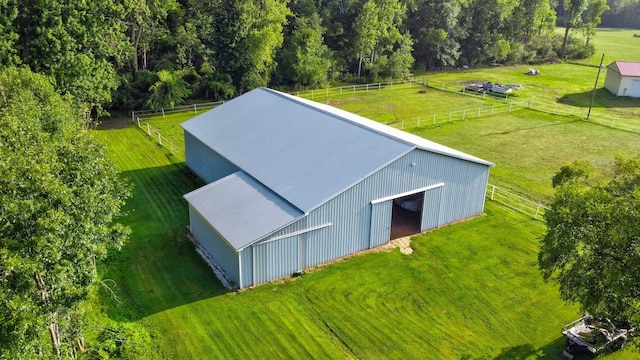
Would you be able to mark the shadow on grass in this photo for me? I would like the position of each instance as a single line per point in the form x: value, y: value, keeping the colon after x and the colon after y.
x: 158, y: 268
x: 534, y: 127
x: 603, y: 99
x: 552, y: 350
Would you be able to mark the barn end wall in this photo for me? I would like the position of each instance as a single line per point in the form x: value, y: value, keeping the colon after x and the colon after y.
x: 612, y: 82
x: 462, y: 196
x: 217, y: 248
x: 205, y: 162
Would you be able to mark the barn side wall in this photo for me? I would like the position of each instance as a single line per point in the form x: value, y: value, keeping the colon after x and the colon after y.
x: 612, y: 82
x: 205, y: 162
x: 217, y: 248
x: 349, y: 213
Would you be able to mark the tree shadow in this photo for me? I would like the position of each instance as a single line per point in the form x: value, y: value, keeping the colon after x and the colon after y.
x: 158, y: 268
x: 603, y: 99
x: 552, y: 350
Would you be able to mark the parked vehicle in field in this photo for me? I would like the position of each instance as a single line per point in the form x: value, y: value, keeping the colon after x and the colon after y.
x: 497, y: 88
x: 591, y: 335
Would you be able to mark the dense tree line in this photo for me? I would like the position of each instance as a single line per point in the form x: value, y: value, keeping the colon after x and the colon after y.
x: 138, y: 53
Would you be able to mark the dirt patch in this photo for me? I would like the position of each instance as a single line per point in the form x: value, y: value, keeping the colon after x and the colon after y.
x: 335, y: 102
x: 404, y: 243
x: 114, y: 123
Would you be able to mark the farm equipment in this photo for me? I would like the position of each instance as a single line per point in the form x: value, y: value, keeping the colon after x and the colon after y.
x: 496, y: 88
x: 486, y: 87
x: 590, y: 335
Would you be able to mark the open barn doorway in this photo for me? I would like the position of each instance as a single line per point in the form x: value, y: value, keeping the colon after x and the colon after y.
x: 406, y: 215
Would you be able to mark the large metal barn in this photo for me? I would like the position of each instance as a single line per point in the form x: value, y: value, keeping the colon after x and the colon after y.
x: 293, y: 183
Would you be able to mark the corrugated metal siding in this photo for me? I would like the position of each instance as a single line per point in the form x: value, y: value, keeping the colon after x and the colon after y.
x: 246, y: 261
x: 350, y: 213
x: 276, y: 259
x: 462, y: 196
x: 206, y: 163
x: 381, y: 222
x: 431, y: 209
x: 224, y: 255
x: 241, y: 209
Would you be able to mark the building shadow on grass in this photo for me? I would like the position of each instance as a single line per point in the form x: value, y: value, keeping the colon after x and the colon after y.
x: 603, y: 99
x: 158, y: 268
x: 552, y: 350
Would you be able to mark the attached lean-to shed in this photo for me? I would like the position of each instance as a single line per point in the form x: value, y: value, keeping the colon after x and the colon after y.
x: 293, y: 183
x: 623, y: 78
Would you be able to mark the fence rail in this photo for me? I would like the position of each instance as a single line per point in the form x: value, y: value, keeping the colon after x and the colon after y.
x: 155, y: 136
x: 147, y: 114
x: 515, y: 202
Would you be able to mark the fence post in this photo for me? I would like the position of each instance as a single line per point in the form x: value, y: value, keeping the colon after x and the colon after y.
x: 510, y: 105
x: 195, y: 108
x: 159, y: 138
x: 162, y: 112
x: 340, y: 90
x: 493, y: 191
x: 479, y: 108
x: 138, y: 120
x: 463, y: 90
x: 402, y: 124
x: 379, y: 86
x: 311, y: 94
x: 537, y: 211
x: 354, y: 89
x: 464, y: 112
x: 133, y: 116
x: 148, y: 130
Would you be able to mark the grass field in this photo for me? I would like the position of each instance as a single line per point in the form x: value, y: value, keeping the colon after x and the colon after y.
x: 468, y: 291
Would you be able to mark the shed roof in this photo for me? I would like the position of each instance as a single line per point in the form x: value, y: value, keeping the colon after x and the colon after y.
x: 234, y: 201
x: 626, y: 68
x: 304, y: 151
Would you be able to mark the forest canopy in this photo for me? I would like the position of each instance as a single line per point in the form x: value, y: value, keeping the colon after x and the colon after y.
x: 147, y: 53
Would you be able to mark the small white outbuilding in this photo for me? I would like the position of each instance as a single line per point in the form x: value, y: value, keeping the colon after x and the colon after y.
x: 623, y: 78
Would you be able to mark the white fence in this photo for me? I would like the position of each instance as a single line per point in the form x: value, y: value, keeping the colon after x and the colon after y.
x: 147, y: 114
x: 155, y: 136
x: 515, y: 202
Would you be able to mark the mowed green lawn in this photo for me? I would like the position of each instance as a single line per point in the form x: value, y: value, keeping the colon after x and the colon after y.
x: 470, y: 290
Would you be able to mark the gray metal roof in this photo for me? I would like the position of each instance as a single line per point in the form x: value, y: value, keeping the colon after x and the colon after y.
x: 234, y: 201
x: 304, y: 151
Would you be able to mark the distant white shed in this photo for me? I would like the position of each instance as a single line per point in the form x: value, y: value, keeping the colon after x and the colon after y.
x: 623, y: 78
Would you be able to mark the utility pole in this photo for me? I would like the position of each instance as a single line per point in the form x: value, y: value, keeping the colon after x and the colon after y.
x: 593, y: 95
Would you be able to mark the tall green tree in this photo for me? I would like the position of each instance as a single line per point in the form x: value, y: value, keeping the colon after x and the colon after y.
x: 573, y: 10
x: 593, y: 17
x: 435, y: 28
x: 306, y: 59
x: 52, y: 37
x: 244, y: 39
x: 592, y: 243
x: 168, y: 90
x: 377, y: 34
x: 59, y: 198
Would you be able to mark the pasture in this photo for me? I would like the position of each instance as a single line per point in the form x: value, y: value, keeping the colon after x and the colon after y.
x: 469, y: 291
